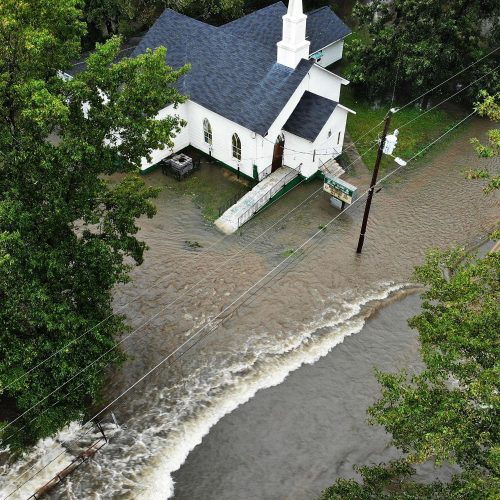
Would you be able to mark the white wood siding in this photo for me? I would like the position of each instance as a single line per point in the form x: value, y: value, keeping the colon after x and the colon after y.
x: 331, y: 53
x: 256, y: 149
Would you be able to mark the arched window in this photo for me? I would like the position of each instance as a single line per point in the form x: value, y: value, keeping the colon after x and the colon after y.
x: 207, y: 131
x: 236, y: 146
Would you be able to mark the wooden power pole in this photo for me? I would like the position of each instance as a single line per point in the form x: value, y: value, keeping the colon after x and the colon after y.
x: 387, y: 121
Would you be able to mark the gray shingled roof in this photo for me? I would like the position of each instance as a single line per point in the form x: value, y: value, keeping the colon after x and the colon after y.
x: 229, y: 75
x: 323, y: 27
x: 310, y: 116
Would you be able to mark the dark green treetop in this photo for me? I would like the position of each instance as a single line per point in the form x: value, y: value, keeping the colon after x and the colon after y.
x: 421, y: 43
x: 68, y: 235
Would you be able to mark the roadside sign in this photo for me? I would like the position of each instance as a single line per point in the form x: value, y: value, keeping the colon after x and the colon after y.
x: 339, y: 189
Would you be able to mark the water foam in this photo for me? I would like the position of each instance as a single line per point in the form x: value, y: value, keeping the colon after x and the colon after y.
x: 298, y: 352
x: 158, y: 441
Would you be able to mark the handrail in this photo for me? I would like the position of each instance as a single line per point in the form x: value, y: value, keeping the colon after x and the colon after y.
x: 266, y: 172
x: 228, y: 204
x: 267, y: 196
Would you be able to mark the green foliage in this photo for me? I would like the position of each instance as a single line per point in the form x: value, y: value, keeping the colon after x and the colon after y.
x: 110, y: 17
x: 423, y: 41
x: 449, y: 411
x: 107, y: 14
x: 489, y: 106
x: 422, y: 130
x: 221, y: 10
x: 394, y: 481
x: 67, y: 236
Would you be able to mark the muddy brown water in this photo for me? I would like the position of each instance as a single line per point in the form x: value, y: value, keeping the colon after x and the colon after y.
x: 270, y: 447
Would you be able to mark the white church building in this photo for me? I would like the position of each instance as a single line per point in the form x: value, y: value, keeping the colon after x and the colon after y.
x: 259, y: 97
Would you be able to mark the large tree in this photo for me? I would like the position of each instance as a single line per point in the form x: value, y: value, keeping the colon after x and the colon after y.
x: 67, y: 235
x: 127, y: 17
x: 421, y: 43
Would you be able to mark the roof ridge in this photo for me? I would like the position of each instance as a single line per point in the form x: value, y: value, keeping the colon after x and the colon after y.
x: 320, y: 8
x: 252, y: 13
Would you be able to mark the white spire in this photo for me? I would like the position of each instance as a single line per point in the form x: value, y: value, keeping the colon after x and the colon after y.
x: 295, y: 8
x: 294, y: 46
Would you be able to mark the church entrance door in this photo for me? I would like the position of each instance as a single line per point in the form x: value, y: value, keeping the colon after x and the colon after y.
x: 279, y: 146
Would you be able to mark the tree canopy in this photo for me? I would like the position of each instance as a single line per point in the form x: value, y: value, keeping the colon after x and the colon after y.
x: 126, y: 17
x: 67, y: 235
x: 488, y: 106
x: 422, y: 42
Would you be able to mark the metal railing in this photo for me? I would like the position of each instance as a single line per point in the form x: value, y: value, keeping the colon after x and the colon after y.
x: 265, y: 173
x: 246, y: 216
x: 228, y: 204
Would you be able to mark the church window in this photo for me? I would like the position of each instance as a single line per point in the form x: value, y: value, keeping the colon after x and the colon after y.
x: 236, y: 146
x: 338, y: 137
x: 207, y: 131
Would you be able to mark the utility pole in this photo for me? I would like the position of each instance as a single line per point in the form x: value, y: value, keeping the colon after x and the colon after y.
x: 387, y: 121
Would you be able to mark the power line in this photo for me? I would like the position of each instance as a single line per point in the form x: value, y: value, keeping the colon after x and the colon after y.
x: 448, y: 98
x: 258, y: 282
x: 190, y: 289
x: 71, y: 342
x: 286, y: 259
x: 183, y: 353
x: 171, y: 303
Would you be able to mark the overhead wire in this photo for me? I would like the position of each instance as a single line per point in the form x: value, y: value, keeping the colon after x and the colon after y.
x: 183, y: 294
x: 262, y: 279
x: 448, y: 79
x: 10, y: 384
x: 74, y: 340
x: 95, y: 326
x: 391, y: 173
x: 286, y: 259
x: 91, y: 420
x: 448, y: 98
x: 102, y: 321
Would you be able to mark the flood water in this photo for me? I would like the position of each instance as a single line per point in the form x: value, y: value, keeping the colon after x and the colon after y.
x: 293, y: 440
x: 307, y: 321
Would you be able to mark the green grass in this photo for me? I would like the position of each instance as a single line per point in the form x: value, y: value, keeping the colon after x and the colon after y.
x: 412, y: 138
x: 210, y: 188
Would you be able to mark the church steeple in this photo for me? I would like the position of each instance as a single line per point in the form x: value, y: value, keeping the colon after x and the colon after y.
x: 294, y: 46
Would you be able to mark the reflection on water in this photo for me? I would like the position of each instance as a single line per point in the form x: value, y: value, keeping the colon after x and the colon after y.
x: 323, y: 296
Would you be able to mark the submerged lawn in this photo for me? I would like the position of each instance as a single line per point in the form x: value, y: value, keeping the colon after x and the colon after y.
x: 210, y: 187
x: 412, y: 137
